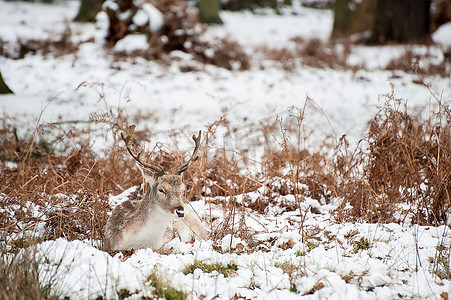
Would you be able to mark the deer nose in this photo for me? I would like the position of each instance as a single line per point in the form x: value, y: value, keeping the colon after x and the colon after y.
x: 180, y: 211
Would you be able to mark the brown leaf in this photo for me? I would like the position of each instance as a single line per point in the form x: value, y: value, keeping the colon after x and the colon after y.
x: 239, y: 246
x: 351, y: 234
x: 290, y: 243
x: 318, y: 286
x: 168, y: 251
x: 126, y: 254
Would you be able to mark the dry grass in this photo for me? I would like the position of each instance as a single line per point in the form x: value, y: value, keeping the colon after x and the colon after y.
x: 334, y: 54
x: 406, y: 163
x: 312, y: 52
x: 71, y: 189
x: 402, y: 175
x: 65, y: 186
x: 19, y: 276
x: 59, y: 46
x: 410, y: 61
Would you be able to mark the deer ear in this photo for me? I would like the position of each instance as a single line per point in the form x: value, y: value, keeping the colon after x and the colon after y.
x: 148, y: 175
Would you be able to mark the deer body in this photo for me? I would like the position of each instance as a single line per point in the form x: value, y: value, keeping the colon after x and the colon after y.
x: 142, y: 223
x: 149, y: 235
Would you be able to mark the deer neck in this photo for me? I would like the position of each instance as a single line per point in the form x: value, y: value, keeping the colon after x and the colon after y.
x: 151, y: 213
x: 149, y: 202
x: 152, y: 221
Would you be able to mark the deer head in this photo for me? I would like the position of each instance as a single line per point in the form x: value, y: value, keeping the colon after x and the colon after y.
x: 166, y: 189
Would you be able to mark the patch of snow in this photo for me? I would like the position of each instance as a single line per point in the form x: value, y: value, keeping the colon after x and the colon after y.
x: 11, y: 164
x: 230, y: 242
x: 119, y: 199
x: 342, y: 271
x: 109, y: 4
x: 140, y: 18
x: 443, y: 35
x: 131, y: 43
x: 155, y: 17
x: 272, y: 30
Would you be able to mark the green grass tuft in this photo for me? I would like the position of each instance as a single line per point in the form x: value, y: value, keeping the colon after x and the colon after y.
x: 362, y: 244
x: 164, y: 290
x: 226, y: 270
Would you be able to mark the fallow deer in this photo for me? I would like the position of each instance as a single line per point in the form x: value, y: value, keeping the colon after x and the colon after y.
x: 142, y: 224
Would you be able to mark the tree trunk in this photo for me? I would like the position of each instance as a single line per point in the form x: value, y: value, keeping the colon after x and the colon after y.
x: 353, y: 17
x: 4, y: 89
x: 236, y: 5
x: 342, y: 18
x: 401, y: 21
x: 88, y: 10
x: 383, y: 21
x: 209, y: 11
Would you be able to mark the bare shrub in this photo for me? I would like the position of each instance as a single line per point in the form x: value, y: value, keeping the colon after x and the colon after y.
x: 222, y: 53
x: 305, y: 175
x: 180, y: 31
x: 70, y: 191
x: 64, y: 189
x: 60, y: 46
x: 334, y: 54
x: 181, y: 25
x: 409, y: 62
x: 284, y: 56
x: 120, y: 25
x: 19, y: 276
x: 312, y: 52
x: 406, y: 163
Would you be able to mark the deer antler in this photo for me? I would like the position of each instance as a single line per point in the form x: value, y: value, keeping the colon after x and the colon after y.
x: 193, y: 157
x: 128, y: 141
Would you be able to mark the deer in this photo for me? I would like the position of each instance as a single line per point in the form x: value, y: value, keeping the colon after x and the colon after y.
x: 153, y: 220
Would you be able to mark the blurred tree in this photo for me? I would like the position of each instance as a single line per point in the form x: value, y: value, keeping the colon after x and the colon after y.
x: 209, y: 11
x: 88, y: 10
x: 352, y: 17
x: 4, y: 89
x: 383, y: 21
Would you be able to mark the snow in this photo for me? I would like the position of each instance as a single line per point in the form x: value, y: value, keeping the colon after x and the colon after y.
x: 32, y: 21
x: 443, y: 35
x: 147, y: 14
x: 396, y: 262
x: 131, y: 43
x: 274, y: 30
x: 155, y: 16
x: 116, y: 200
x: 321, y: 258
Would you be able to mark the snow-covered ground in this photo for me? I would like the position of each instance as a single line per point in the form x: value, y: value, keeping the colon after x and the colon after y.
x: 318, y: 259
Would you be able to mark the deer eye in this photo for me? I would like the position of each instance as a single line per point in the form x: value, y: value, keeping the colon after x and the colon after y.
x: 162, y: 191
